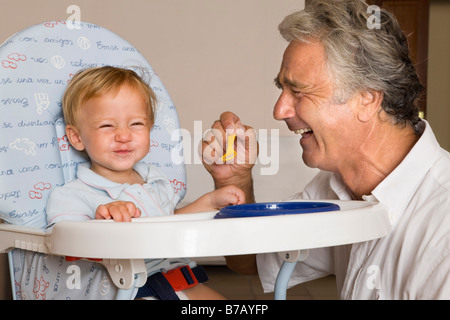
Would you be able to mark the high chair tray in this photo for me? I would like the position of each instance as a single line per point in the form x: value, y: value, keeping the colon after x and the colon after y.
x: 200, y: 235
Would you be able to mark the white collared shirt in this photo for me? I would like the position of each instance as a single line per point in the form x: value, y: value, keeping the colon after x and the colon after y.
x: 413, y: 261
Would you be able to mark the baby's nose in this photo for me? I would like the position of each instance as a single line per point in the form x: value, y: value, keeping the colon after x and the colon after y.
x: 123, y: 135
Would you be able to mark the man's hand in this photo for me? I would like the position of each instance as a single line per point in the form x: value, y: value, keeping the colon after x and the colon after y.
x: 234, y: 170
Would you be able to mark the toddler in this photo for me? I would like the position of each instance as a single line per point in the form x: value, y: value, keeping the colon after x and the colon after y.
x: 109, y: 113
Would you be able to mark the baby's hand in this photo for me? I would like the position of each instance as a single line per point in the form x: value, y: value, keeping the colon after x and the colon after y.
x: 120, y: 211
x: 226, y: 196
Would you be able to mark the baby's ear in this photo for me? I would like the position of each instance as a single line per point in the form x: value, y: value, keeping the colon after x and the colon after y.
x: 73, y: 134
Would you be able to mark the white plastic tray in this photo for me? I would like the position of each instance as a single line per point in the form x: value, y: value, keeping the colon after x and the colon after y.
x: 200, y: 235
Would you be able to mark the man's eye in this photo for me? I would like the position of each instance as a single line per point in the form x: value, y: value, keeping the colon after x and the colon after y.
x: 297, y: 93
x: 137, y: 124
x: 105, y: 126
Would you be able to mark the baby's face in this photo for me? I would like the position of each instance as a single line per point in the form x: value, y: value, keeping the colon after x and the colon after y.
x: 115, y: 131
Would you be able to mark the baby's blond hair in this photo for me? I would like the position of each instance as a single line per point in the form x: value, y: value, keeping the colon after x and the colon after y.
x: 94, y: 82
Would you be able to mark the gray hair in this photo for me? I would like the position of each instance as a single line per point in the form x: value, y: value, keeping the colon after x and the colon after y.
x: 360, y: 58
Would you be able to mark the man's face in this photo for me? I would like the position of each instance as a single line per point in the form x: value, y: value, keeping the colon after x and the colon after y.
x: 328, y: 129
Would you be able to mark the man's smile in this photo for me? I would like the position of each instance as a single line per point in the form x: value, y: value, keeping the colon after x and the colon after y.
x: 303, y: 131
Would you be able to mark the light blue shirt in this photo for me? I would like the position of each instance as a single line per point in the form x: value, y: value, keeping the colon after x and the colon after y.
x: 78, y: 200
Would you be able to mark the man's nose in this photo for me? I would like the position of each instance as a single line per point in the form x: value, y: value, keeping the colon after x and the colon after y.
x: 284, y: 107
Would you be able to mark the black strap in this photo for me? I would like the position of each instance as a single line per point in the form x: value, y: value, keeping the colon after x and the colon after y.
x: 157, y: 285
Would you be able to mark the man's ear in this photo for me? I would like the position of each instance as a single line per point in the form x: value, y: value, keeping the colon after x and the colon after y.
x: 370, y: 104
x: 73, y: 134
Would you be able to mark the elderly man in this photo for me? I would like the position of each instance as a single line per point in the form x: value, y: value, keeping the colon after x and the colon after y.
x: 350, y: 92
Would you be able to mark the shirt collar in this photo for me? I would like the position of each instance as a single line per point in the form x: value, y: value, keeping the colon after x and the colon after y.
x: 94, y: 180
x: 396, y: 190
x: 339, y: 188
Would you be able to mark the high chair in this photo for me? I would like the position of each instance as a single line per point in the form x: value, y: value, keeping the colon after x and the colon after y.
x: 35, y: 156
x: 36, y: 65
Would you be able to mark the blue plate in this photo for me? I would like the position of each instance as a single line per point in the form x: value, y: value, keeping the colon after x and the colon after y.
x: 274, y: 208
